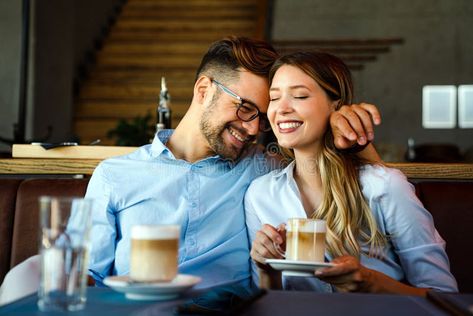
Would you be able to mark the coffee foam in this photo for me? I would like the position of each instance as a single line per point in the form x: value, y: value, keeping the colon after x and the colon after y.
x: 153, y: 232
x: 307, y: 225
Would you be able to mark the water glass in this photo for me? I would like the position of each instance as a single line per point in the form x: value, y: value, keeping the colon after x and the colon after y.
x: 64, y: 245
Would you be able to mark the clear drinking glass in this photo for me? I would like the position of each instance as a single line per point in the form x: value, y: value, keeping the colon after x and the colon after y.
x: 64, y: 246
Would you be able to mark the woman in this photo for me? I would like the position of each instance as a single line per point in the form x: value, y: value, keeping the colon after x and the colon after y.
x: 379, y: 236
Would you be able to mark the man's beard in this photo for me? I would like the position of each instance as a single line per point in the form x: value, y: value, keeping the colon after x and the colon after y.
x: 214, y: 137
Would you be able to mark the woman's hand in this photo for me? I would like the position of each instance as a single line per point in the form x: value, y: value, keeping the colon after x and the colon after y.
x: 269, y: 243
x: 349, y: 275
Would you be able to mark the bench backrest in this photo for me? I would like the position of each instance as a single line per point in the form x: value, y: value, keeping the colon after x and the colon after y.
x: 451, y: 205
x: 450, y: 202
x: 25, y: 229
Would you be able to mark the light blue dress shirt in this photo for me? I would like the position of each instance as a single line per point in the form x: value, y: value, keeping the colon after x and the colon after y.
x: 151, y: 186
x: 415, y: 251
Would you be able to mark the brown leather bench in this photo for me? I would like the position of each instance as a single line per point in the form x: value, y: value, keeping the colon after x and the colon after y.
x: 450, y: 202
x: 8, y: 189
x: 451, y: 205
x: 19, y: 215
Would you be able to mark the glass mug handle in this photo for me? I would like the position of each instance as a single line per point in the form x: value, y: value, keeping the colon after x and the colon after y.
x: 282, y: 253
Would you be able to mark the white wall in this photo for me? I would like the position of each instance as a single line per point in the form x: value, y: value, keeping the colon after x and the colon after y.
x: 438, y: 49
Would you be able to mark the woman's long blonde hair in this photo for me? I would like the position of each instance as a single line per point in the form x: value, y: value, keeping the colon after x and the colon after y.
x: 350, y: 221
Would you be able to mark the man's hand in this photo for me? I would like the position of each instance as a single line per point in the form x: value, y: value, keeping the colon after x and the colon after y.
x: 353, y: 124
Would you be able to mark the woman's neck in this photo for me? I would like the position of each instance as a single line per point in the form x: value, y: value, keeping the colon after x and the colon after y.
x: 307, y: 177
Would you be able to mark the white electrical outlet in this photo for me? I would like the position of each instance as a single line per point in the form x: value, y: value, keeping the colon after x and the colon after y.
x: 465, y: 106
x: 439, y: 106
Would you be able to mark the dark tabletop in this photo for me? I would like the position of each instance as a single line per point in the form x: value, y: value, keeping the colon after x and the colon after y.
x: 104, y: 301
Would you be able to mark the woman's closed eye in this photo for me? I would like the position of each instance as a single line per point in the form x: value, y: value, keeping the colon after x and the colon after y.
x: 273, y: 98
x: 301, y: 97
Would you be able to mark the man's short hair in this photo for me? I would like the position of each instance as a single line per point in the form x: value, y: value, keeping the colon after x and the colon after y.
x: 224, y: 58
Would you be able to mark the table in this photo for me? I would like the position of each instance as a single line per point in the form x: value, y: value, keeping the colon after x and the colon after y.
x: 292, y: 303
x: 104, y: 301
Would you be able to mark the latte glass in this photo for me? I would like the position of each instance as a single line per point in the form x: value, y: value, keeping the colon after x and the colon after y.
x: 154, y: 253
x: 305, y: 239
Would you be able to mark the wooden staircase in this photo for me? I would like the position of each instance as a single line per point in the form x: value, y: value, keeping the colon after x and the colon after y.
x: 151, y: 39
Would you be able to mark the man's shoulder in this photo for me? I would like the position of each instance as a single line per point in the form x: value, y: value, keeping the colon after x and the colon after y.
x: 140, y: 155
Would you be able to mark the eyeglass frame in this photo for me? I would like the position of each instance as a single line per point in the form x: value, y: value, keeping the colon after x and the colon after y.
x: 262, y: 116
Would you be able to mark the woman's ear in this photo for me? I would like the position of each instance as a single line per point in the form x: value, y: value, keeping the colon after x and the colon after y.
x: 335, y: 105
x: 201, y: 88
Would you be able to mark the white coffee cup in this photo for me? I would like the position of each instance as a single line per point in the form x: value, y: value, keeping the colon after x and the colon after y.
x: 154, y: 253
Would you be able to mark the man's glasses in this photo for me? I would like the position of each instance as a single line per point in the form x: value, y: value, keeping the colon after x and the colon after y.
x: 247, y: 111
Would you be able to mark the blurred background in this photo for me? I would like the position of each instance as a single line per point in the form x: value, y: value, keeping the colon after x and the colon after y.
x: 81, y: 70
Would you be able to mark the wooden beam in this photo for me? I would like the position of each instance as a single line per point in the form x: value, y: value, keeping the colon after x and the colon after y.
x: 339, y: 49
x: 339, y: 42
x: 48, y: 166
x: 434, y: 171
x: 196, y: 14
x: 149, y: 25
x: 441, y: 171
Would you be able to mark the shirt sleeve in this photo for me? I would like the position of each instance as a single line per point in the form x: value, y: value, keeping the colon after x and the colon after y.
x: 411, y: 231
x: 253, y: 224
x: 103, y: 233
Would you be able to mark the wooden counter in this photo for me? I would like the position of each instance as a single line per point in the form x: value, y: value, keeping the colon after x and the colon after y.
x: 86, y: 167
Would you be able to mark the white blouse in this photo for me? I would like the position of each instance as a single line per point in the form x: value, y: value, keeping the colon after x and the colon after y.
x: 415, y: 252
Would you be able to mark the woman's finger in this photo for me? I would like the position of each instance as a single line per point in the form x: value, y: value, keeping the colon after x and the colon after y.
x: 265, y: 246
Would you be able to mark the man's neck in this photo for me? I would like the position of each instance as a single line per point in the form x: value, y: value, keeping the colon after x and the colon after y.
x: 187, y: 142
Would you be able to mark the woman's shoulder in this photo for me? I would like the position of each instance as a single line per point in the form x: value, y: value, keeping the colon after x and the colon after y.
x: 377, y: 179
x: 380, y: 171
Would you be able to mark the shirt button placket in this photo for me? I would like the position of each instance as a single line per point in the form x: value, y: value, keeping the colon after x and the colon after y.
x: 193, y: 202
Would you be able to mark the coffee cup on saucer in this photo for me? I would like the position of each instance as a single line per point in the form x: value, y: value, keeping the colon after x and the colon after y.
x: 154, y: 253
x: 305, y: 239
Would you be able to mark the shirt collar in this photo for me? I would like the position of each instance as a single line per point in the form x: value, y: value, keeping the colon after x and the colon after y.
x: 288, y: 171
x: 158, y: 146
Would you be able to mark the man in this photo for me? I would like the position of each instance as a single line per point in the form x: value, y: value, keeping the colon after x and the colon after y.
x: 197, y: 175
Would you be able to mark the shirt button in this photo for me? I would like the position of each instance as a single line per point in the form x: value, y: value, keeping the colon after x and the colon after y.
x: 193, y: 205
x: 192, y: 242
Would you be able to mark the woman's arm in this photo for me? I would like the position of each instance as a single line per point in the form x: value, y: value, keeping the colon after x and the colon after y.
x: 266, y: 245
x: 262, y: 274
x: 348, y: 275
x: 411, y: 235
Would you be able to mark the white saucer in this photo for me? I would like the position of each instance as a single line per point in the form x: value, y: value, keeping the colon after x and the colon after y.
x: 151, y: 291
x: 297, y: 268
